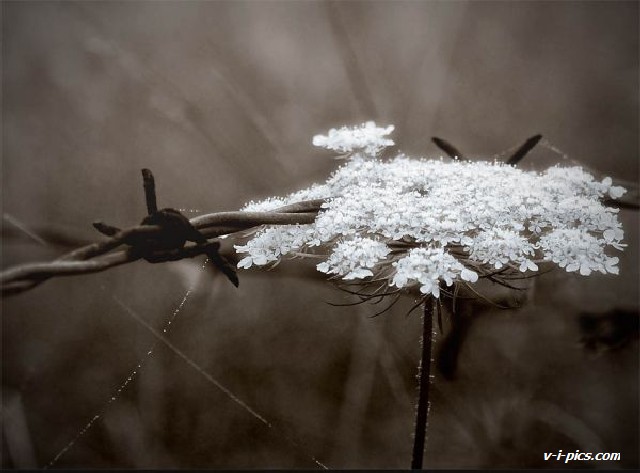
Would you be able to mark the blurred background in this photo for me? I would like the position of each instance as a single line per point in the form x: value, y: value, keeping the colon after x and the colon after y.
x: 220, y: 100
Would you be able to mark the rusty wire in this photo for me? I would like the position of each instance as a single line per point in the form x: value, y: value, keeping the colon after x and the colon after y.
x: 108, y: 253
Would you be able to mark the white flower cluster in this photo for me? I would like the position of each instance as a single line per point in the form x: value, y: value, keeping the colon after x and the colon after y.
x: 367, y: 137
x: 576, y: 249
x: 353, y: 258
x: 429, y: 266
x: 444, y: 220
x: 273, y: 243
x: 499, y: 246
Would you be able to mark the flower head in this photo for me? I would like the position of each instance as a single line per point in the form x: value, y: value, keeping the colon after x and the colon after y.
x: 420, y: 222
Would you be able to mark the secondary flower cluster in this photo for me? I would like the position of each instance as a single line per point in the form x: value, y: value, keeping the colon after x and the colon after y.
x: 367, y: 137
x: 429, y: 266
x: 421, y: 222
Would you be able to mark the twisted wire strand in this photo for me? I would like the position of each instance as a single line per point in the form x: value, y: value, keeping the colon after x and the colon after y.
x: 103, y: 255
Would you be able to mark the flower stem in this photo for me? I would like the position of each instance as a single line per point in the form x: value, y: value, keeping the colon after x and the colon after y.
x: 423, y: 396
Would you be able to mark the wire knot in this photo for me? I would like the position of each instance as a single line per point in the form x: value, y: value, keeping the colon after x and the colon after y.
x: 175, y: 231
x: 166, y: 234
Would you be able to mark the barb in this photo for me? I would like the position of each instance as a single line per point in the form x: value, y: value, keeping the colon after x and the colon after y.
x: 524, y: 149
x: 149, y: 191
x: 448, y: 148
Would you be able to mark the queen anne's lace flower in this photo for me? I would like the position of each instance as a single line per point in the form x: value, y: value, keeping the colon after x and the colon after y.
x: 442, y: 217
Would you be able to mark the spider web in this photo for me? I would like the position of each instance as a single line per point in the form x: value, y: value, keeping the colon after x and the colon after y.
x: 161, y: 339
x: 131, y: 376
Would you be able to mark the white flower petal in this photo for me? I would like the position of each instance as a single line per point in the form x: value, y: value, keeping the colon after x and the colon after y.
x: 609, y: 235
x: 468, y: 275
x: 617, y: 191
x: 585, y: 270
x: 245, y: 263
x: 572, y: 267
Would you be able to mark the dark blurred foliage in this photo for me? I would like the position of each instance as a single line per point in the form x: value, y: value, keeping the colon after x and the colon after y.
x: 220, y: 100
x: 610, y: 330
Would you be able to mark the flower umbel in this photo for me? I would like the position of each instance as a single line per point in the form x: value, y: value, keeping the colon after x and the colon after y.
x: 417, y: 222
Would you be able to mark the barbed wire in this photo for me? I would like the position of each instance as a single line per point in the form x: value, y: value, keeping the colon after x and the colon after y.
x: 161, y: 237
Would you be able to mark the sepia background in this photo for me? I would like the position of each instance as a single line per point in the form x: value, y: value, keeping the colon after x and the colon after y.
x: 221, y: 100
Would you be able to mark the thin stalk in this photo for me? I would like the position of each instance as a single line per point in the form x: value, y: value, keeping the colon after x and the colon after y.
x: 423, y: 395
